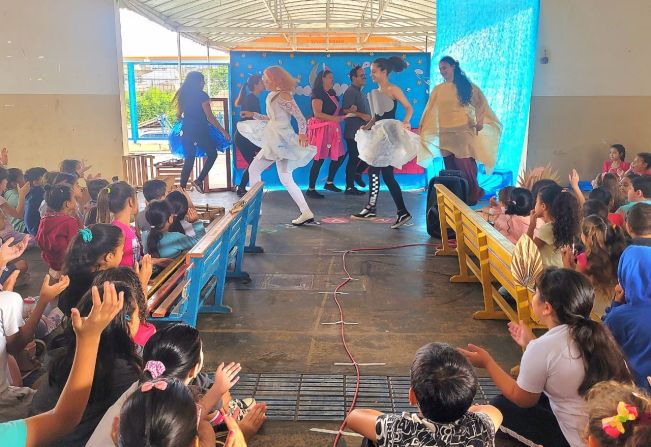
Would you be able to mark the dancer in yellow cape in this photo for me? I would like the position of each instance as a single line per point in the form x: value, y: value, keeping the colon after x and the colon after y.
x: 459, y: 122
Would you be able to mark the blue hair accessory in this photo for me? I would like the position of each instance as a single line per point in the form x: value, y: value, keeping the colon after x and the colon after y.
x: 86, y: 235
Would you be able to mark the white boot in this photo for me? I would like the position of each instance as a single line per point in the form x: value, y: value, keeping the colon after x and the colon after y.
x: 306, y: 217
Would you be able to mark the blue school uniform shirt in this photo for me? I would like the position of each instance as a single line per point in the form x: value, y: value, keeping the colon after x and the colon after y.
x: 629, y: 322
x: 14, y: 433
x: 33, y: 201
x: 172, y: 244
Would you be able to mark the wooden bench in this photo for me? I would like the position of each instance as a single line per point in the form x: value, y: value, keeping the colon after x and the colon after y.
x: 137, y: 169
x: 484, y: 256
x: 194, y: 282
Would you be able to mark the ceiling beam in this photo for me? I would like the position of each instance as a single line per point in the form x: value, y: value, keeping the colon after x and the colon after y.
x: 382, y: 7
x: 333, y: 45
x: 418, y: 30
x: 277, y: 19
x: 317, y: 20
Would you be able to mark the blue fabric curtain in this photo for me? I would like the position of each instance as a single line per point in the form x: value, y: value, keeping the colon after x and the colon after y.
x: 495, y: 42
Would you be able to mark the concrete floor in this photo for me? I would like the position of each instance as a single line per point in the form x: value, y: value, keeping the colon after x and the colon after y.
x: 403, y: 299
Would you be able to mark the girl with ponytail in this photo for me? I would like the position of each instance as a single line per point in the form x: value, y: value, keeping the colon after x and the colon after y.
x: 559, y: 209
x: 546, y: 404
x: 386, y: 143
x: 607, y: 401
x: 118, y: 204
x: 248, y: 102
x: 460, y: 124
x: 93, y: 249
x: 159, y: 241
x: 175, y: 354
x: 604, y: 244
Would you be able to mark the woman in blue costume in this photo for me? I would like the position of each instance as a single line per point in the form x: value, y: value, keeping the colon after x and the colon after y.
x: 198, y: 131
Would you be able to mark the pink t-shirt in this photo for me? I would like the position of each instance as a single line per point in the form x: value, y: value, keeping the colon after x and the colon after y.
x: 131, y: 245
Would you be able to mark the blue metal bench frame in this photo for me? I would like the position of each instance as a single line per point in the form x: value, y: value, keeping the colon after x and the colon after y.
x: 218, y: 256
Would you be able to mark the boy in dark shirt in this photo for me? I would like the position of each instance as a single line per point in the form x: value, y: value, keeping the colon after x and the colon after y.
x: 34, y: 198
x: 443, y: 386
x: 638, y: 224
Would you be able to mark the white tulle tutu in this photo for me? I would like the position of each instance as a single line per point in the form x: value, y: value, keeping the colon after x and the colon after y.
x: 387, y: 143
x: 277, y: 141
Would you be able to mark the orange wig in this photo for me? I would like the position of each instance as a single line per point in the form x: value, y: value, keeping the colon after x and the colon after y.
x: 280, y: 79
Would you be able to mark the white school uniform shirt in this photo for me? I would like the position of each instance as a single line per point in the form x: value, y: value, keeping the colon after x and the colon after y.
x: 14, y: 401
x: 102, y: 435
x: 552, y: 364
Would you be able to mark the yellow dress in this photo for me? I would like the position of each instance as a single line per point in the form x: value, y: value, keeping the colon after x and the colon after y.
x: 449, y: 127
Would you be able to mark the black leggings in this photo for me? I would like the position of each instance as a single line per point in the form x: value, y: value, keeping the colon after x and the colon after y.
x: 332, y: 170
x: 392, y: 184
x: 248, y: 151
x: 355, y: 166
x: 538, y: 423
x: 210, y: 148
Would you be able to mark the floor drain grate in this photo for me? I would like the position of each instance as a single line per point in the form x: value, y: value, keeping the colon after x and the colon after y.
x: 314, y: 397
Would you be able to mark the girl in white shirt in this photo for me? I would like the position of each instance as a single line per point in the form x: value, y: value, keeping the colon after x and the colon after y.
x: 547, y: 402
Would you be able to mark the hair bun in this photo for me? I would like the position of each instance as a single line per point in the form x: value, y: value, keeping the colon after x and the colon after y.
x: 397, y: 63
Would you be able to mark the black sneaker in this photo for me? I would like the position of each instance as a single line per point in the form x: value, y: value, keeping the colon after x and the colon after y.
x: 354, y: 191
x: 198, y: 186
x: 241, y: 192
x: 313, y: 194
x: 332, y: 187
x: 366, y: 213
x: 360, y: 181
x: 401, y: 220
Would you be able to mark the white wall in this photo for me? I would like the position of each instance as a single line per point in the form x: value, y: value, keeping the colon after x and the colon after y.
x: 595, y: 91
x: 60, y: 81
x: 595, y: 47
x: 58, y: 47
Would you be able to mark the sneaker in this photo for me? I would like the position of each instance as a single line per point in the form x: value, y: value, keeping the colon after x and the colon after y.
x: 360, y: 181
x: 312, y: 193
x: 243, y: 404
x: 332, y: 187
x: 354, y: 191
x: 198, y: 186
x: 305, y: 217
x: 366, y: 213
x: 241, y: 192
x: 401, y: 220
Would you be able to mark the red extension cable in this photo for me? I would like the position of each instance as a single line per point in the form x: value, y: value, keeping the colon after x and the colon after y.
x: 342, y: 325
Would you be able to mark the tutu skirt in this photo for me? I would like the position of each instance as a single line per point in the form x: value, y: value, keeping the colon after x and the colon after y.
x: 277, y: 141
x: 387, y: 143
x: 213, y: 135
x: 326, y: 136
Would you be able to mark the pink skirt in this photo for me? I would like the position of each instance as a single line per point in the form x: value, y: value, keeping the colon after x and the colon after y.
x: 326, y: 136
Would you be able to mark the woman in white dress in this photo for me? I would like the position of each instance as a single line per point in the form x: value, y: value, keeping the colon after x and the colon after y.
x: 274, y: 134
x: 386, y: 143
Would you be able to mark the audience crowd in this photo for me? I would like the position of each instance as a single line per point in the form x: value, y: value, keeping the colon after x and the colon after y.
x: 109, y: 377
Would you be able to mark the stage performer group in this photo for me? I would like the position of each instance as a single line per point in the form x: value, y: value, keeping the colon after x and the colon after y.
x: 457, y: 124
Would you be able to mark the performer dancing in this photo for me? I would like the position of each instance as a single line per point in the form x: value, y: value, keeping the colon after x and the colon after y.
x: 277, y: 139
x: 324, y: 132
x: 248, y: 103
x: 193, y: 107
x: 385, y: 143
x: 355, y: 103
x: 459, y: 121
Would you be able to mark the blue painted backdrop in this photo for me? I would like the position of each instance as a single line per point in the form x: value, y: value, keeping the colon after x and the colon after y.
x: 497, y: 49
x: 414, y: 81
